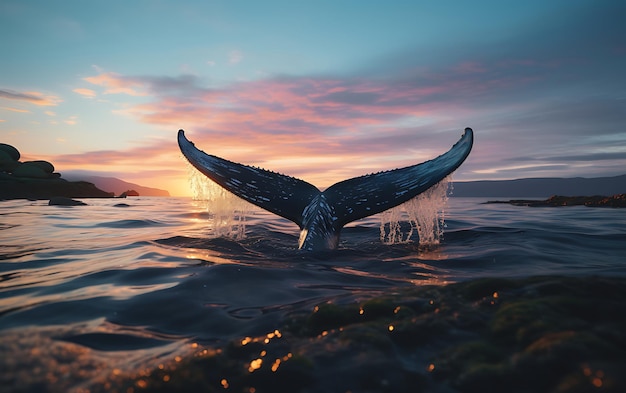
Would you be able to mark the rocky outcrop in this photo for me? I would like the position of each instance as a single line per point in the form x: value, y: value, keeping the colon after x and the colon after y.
x: 63, y: 201
x: 128, y: 194
x: 618, y: 200
x: 37, y: 180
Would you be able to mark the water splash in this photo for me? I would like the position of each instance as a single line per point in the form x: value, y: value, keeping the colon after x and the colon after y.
x: 228, y: 212
x: 425, y: 214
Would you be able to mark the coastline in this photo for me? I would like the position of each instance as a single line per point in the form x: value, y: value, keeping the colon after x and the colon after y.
x: 12, y: 187
x: 614, y: 201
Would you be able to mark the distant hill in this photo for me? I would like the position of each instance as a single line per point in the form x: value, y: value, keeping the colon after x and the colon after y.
x: 115, y: 185
x: 541, y: 187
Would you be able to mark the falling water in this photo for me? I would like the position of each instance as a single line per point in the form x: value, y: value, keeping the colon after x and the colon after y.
x: 425, y: 214
x: 228, y: 212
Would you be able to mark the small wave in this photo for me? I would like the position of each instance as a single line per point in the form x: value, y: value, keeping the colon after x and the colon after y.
x: 131, y: 224
x: 93, y: 275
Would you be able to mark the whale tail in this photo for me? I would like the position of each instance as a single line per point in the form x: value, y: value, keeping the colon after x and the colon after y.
x: 321, y: 215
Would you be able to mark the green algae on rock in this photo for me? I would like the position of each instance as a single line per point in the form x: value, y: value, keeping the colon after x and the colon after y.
x: 541, y: 334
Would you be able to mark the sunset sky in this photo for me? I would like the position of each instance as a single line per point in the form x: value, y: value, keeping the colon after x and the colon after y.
x: 321, y: 90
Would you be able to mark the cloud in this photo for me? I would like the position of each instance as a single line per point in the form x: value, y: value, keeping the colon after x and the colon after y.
x: 235, y: 57
x: 85, y: 92
x: 117, y: 84
x: 156, y: 151
x: 322, y: 129
x: 548, y: 101
x: 146, y: 85
x: 10, y: 109
x: 72, y: 120
x: 32, y: 97
x: 354, y: 125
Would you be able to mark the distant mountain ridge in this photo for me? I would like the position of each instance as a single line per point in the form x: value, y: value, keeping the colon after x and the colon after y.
x: 115, y: 185
x: 528, y: 187
x: 541, y: 187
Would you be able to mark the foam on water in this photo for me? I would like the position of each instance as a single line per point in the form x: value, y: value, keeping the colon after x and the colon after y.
x: 425, y: 214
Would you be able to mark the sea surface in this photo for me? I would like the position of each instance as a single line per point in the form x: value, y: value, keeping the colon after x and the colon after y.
x: 123, y: 285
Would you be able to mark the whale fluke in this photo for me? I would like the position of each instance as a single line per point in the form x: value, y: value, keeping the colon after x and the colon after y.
x: 321, y: 215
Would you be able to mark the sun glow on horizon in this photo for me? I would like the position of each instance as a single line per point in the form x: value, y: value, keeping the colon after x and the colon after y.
x: 316, y: 104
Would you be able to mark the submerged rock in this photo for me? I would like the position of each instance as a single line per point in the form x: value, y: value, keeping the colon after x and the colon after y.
x: 545, y: 334
x: 63, y: 201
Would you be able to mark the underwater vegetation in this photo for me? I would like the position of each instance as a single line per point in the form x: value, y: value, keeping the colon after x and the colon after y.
x: 540, y: 334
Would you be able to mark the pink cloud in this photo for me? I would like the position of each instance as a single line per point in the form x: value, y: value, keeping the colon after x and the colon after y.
x: 321, y: 129
x: 85, y: 92
x: 32, y: 97
x: 10, y: 109
x: 117, y: 84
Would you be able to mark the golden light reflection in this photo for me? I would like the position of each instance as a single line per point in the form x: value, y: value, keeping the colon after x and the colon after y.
x: 596, y: 378
x: 391, y: 328
x: 431, y: 368
x: 255, y: 365
x: 275, y: 365
x: 224, y: 383
x: 266, y: 339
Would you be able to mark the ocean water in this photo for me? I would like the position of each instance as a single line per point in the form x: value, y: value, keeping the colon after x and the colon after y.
x: 92, y: 290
